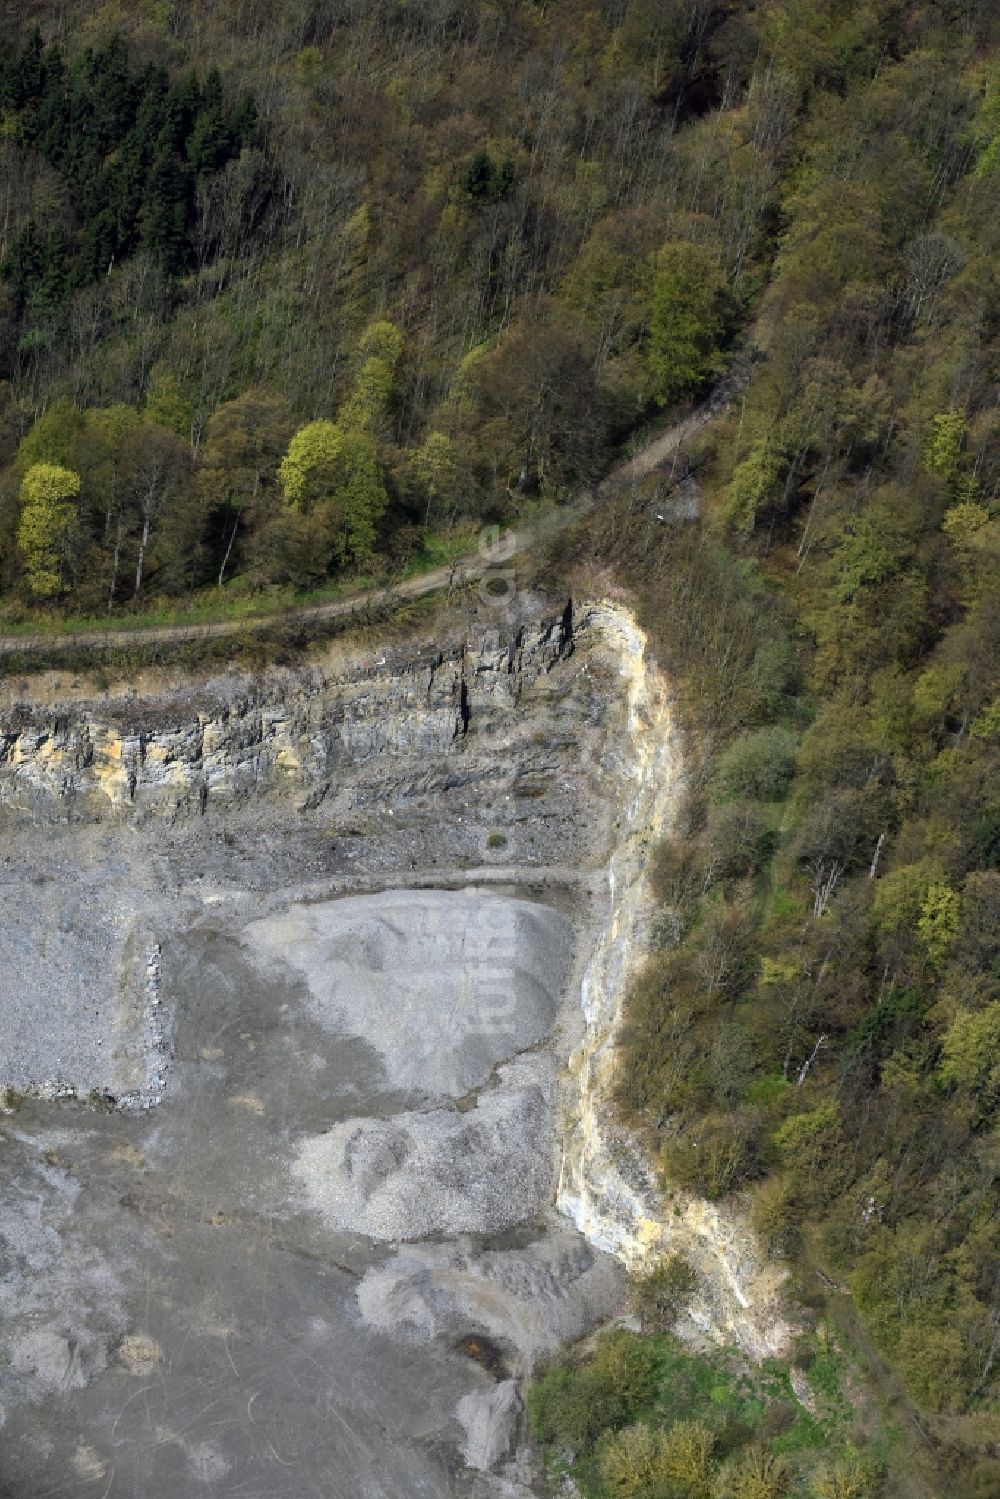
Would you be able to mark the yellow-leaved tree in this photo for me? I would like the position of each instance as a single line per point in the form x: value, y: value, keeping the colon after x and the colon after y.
x: 644, y: 1460
x: 48, y: 515
x: 331, y: 475
x: 332, y: 482
x: 686, y: 320
x: 435, y: 470
x: 367, y: 406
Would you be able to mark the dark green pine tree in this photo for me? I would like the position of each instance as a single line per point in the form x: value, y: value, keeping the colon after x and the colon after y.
x: 112, y: 94
x: 98, y: 249
x: 50, y: 287
x: 50, y: 122
x: 130, y: 150
x: 23, y: 264
x: 153, y: 93
x: 486, y: 179
x: 245, y: 123
x: 163, y: 219
x: 476, y: 178
x: 26, y: 76
x: 126, y: 191
x: 183, y: 104
x: 210, y: 143
x: 82, y: 157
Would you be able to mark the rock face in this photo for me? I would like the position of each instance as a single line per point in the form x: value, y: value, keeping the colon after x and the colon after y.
x: 288, y: 732
x: 326, y: 921
x: 417, y: 766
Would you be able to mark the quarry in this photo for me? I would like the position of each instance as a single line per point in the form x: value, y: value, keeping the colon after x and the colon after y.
x: 310, y: 995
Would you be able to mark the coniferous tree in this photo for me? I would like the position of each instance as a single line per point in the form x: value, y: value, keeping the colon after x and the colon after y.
x: 128, y: 148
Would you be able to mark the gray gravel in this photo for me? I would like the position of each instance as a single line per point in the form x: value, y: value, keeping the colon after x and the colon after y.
x: 79, y: 968
x: 439, y: 1172
x: 443, y: 983
x: 530, y: 1298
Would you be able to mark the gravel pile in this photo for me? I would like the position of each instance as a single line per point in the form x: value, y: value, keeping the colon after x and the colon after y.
x: 530, y: 1299
x: 442, y: 1171
x: 443, y: 983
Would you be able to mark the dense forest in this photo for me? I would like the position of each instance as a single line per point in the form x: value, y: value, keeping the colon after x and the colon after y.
x: 817, y: 1032
x: 288, y: 291
x: 287, y: 318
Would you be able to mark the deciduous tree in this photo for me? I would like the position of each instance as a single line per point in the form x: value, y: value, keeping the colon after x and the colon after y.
x: 48, y: 517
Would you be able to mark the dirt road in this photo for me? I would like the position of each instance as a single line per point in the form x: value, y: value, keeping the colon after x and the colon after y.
x: 466, y: 570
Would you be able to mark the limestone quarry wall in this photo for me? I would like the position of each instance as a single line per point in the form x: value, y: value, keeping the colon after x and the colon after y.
x: 241, y: 736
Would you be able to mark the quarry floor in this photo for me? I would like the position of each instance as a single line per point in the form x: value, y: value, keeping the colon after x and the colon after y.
x: 181, y: 1316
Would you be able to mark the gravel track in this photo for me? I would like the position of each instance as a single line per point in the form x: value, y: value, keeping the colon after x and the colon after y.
x: 468, y: 569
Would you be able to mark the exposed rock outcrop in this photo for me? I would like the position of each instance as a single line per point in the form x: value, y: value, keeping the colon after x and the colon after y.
x: 606, y: 1184
x: 284, y: 732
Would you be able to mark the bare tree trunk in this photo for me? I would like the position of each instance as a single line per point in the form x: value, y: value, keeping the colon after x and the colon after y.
x: 805, y: 541
x: 990, y: 1359
x: 876, y: 855
x: 791, y: 1036
x: 825, y: 878
x: 115, y: 565
x: 142, y: 554
x: 229, y: 548
x: 804, y: 1073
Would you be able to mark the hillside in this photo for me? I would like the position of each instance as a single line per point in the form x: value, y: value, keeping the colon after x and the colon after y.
x: 455, y: 253
x: 293, y: 296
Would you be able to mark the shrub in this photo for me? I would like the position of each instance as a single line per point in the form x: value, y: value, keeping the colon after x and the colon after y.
x: 662, y: 1295
x: 560, y: 1409
x: 754, y: 484
x: 724, y: 954
x: 758, y: 765
x: 755, y: 1475
x: 977, y: 948
x: 732, y: 1062
x: 666, y: 929
x: 644, y: 1463
x: 716, y: 1155
x: 838, y: 827
x: 660, y: 1064
x: 986, y: 840
x: 939, y: 923
x: 739, y: 840
x: 775, y: 674
x: 899, y: 897
x: 571, y: 1405
x: 854, y: 1477
x: 774, y: 1215
x: 970, y: 1050
x: 677, y: 873
x: 810, y: 1145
